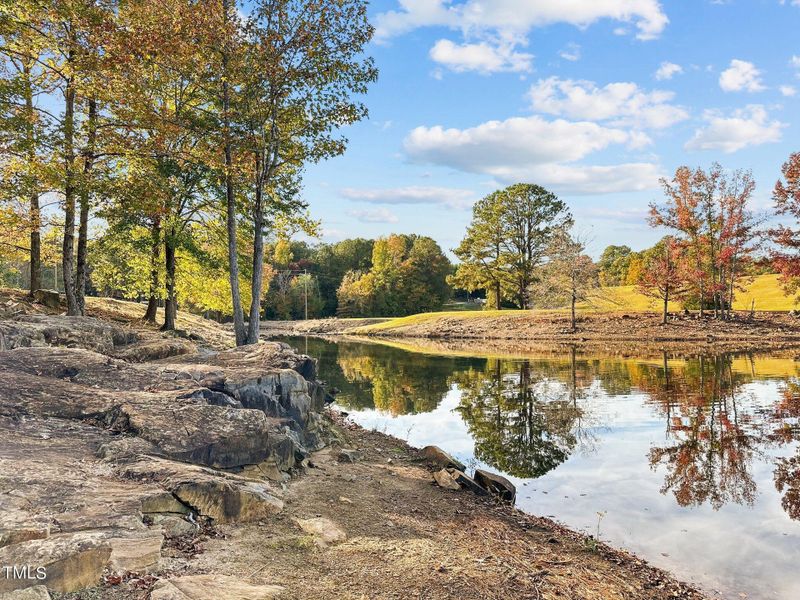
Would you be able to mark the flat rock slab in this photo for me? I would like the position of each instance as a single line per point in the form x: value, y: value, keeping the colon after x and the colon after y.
x: 212, y: 587
x: 324, y: 530
x: 37, y: 592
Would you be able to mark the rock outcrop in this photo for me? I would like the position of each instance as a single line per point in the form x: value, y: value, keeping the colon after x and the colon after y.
x: 104, y: 457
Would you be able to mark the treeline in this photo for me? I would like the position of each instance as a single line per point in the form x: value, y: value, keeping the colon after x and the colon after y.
x: 397, y: 275
x: 520, y: 249
x: 183, y: 126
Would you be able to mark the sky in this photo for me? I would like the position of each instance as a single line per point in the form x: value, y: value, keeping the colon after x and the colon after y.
x: 592, y: 99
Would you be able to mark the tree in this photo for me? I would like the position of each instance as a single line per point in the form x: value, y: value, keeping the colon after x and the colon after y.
x: 482, y: 263
x: 408, y: 275
x: 302, y: 71
x: 23, y: 131
x: 613, y: 265
x: 786, y: 195
x: 662, y: 276
x: 507, y: 240
x: 714, y: 227
x: 568, y: 276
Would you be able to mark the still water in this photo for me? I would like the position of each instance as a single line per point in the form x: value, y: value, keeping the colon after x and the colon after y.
x: 691, y: 462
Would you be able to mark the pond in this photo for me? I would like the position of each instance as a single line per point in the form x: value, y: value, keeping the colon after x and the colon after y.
x: 691, y: 462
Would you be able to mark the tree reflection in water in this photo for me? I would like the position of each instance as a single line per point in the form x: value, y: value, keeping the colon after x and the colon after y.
x: 527, y: 417
x: 524, y: 421
x: 710, y: 457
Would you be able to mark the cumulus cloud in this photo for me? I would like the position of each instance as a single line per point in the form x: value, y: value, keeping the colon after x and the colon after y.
x: 622, y: 104
x: 535, y: 149
x: 376, y: 215
x: 741, y: 76
x: 750, y: 126
x: 450, y: 197
x: 482, y: 57
x: 668, y: 70
x: 520, y: 16
x: 788, y: 91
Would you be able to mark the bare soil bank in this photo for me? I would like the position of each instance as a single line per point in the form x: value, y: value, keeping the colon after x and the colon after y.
x: 376, y: 528
x: 612, y: 331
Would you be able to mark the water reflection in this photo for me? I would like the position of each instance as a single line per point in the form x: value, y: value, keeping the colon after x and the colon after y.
x: 525, y: 417
x: 700, y: 452
x: 524, y: 423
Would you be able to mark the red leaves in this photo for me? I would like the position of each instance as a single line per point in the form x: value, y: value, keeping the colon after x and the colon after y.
x: 786, y: 259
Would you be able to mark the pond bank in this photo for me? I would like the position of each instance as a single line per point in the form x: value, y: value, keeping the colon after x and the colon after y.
x: 152, y: 502
x: 527, y: 329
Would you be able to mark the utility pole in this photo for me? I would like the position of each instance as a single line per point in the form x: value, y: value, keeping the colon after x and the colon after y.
x: 305, y: 290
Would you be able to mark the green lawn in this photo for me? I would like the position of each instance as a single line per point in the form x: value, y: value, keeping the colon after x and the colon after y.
x: 764, y: 289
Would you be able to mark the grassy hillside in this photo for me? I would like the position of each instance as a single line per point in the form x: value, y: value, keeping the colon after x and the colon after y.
x: 764, y: 289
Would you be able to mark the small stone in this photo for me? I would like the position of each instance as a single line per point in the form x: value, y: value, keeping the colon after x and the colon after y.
x: 446, y: 480
x: 348, y: 455
x: 345, y: 500
x: 441, y: 458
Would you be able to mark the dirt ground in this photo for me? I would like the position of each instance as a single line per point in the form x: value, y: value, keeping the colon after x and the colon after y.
x: 408, y: 538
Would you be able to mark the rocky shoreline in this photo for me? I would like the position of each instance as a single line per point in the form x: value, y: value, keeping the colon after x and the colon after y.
x: 136, y: 465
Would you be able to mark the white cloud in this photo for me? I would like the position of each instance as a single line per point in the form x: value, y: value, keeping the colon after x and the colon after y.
x: 622, y: 104
x: 377, y: 215
x: 749, y: 126
x: 450, y: 197
x: 741, y: 76
x: 581, y: 179
x: 535, y: 149
x: 668, y: 70
x: 788, y: 91
x: 482, y: 57
x: 572, y: 52
x: 520, y: 15
x: 795, y: 62
x: 516, y: 141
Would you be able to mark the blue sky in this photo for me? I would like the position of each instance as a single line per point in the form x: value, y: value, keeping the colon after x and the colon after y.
x: 594, y: 99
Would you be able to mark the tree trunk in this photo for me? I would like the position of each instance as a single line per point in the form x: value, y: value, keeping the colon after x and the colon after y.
x: 68, y: 246
x: 254, y: 324
x: 666, y: 307
x: 230, y: 199
x: 85, y: 197
x: 171, y: 304
x: 572, y: 312
x: 152, y: 301
x: 33, y: 191
x: 497, y: 300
